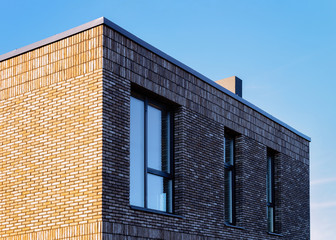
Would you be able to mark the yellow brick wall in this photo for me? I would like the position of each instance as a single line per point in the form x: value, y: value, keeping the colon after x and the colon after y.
x: 68, y: 58
x: 51, y: 141
x: 87, y: 231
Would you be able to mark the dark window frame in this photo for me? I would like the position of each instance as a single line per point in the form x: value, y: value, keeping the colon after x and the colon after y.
x: 148, y: 101
x: 230, y: 211
x: 270, y: 190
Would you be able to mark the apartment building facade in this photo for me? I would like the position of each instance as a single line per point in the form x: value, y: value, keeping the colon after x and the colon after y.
x: 104, y: 136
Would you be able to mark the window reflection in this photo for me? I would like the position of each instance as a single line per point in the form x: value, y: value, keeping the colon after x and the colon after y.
x: 137, y: 153
x: 154, y: 132
x: 150, y: 173
x: 159, y: 193
x: 229, y: 178
x: 270, y: 192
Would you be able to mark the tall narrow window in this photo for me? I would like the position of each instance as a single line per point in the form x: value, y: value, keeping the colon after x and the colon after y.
x: 270, y: 192
x: 229, y: 180
x: 150, y: 155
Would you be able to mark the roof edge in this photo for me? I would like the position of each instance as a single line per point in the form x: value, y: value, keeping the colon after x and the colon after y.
x: 199, y: 75
x: 105, y: 21
x: 52, y: 39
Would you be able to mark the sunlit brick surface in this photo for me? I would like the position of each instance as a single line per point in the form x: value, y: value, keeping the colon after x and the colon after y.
x: 87, y: 231
x: 68, y: 58
x: 51, y: 140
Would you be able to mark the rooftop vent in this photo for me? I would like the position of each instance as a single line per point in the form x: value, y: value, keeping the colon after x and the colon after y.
x: 233, y: 84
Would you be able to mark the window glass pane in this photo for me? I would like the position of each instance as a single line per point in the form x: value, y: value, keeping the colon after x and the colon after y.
x: 228, y: 181
x: 154, y: 131
x: 270, y: 218
x: 159, y: 193
x: 269, y: 179
x: 166, y: 143
x: 168, y: 188
x: 229, y: 150
x: 137, y: 153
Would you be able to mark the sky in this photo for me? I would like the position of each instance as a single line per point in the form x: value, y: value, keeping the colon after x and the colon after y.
x: 284, y: 51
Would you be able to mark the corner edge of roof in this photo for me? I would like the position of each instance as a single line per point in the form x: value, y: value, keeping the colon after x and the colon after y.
x: 54, y: 38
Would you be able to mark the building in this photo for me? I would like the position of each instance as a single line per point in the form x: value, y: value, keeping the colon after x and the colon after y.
x: 104, y: 136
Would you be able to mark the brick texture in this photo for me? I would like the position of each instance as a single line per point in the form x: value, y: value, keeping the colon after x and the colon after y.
x: 201, y: 115
x: 134, y: 63
x: 51, y: 140
x: 64, y: 153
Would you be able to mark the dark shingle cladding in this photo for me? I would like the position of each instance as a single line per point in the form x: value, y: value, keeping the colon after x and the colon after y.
x: 129, y: 60
x: 144, y: 44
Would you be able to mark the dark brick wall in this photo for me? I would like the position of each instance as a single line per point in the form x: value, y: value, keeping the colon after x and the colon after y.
x: 294, y: 198
x: 116, y: 108
x: 201, y: 115
x: 131, y: 61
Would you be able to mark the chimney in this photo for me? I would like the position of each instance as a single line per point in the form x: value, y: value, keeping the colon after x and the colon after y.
x: 233, y: 84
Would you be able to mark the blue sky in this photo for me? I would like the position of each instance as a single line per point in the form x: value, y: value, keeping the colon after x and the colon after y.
x: 284, y: 51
